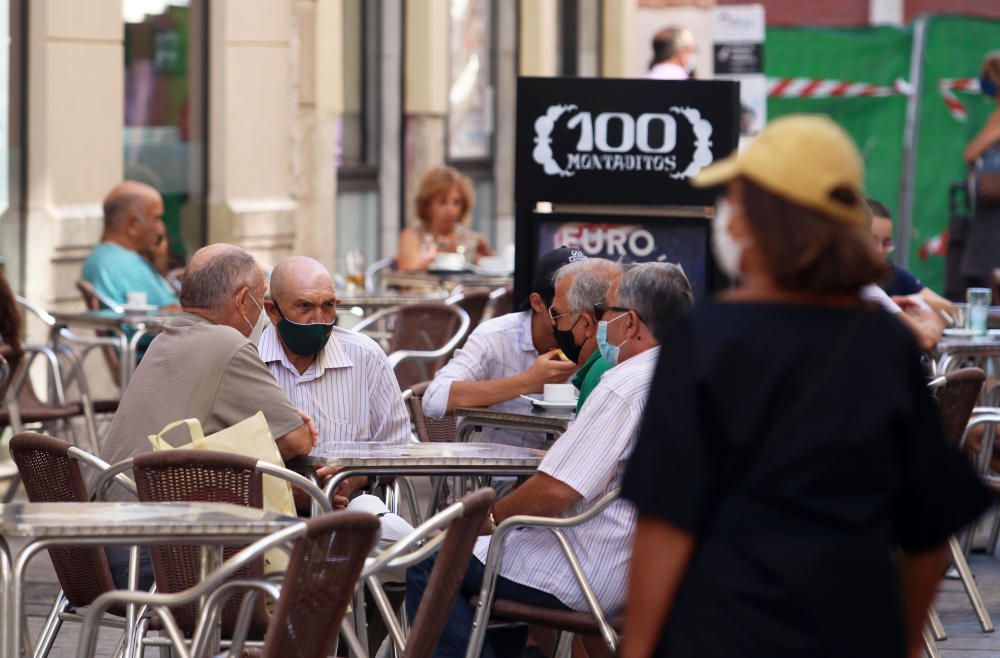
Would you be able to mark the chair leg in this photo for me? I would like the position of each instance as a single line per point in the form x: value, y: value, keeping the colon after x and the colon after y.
x: 991, y: 544
x: 930, y: 648
x: 564, y: 646
x: 937, y: 628
x: 969, y: 582
x: 47, y: 636
x: 12, y: 486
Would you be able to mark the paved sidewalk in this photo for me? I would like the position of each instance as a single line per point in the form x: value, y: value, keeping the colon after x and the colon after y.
x: 965, y: 639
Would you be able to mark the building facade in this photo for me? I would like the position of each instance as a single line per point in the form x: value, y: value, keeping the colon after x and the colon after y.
x: 292, y: 126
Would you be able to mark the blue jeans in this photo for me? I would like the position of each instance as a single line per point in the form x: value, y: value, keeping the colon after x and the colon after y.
x: 118, y: 561
x: 454, y: 639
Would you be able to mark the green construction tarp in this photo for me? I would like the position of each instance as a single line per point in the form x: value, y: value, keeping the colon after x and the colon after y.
x: 877, y: 56
x: 954, y: 48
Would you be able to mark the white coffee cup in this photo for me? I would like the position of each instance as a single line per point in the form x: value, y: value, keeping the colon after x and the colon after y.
x: 136, y: 299
x: 559, y: 393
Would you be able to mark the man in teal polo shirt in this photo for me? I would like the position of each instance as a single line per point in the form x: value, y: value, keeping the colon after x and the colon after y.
x: 579, y: 286
x: 119, y: 264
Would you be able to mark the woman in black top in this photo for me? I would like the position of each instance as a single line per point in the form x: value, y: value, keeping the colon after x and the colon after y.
x: 793, y: 446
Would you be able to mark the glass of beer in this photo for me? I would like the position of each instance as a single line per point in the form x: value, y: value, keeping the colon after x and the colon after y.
x: 354, y: 261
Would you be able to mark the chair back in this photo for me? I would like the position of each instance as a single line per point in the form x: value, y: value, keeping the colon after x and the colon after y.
x: 503, y: 302
x: 95, y: 301
x: 202, y: 476
x: 429, y: 429
x: 51, y: 475
x: 447, y: 574
x: 423, y: 326
x: 323, y: 571
x: 375, y: 268
x: 475, y: 301
x: 957, y: 397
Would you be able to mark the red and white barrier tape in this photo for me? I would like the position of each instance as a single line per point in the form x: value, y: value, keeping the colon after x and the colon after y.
x: 948, y: 87
x: 824, y: 88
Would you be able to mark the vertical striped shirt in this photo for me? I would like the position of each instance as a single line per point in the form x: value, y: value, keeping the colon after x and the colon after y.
x: 498, y: 348
x: 350, y: 390
x: 590, y: 458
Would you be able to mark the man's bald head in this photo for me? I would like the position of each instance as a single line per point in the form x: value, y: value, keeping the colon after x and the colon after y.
x: 127, y: 199
x: 215, y: 274
x: 297, y: 273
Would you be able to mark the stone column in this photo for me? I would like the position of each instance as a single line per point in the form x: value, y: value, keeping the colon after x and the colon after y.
x: 618, y: 22
x: 318, y: 101
x: 76, y: 113
x: 250, y: 118
x: 539, y: 37
x: 426, y: 92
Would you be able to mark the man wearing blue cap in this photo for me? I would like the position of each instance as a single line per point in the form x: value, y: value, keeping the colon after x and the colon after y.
x: 506, y: 357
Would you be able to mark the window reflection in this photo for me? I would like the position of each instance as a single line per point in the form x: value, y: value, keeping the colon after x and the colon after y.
x: 470, y: 97
x: 162, y: 133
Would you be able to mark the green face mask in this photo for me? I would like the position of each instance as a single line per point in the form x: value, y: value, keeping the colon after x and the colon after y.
x: 303, y: 339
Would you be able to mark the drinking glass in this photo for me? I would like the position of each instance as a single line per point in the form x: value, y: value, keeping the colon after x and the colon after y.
x: 354, y: 261
x: 978, y: 300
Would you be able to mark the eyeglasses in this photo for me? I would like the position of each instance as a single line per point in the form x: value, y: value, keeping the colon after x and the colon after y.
x: 555, y: 317
x: 601, y: 309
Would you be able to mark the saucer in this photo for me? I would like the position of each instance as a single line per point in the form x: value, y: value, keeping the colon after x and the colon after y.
x: 562, y: 404
x: 140, y: 308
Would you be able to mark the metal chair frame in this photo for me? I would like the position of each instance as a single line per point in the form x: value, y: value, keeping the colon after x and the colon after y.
x: 213, y: 591
x: 495, y: 557
x: 320, y: 505
x: 400, y: 356
x: 59, y: 611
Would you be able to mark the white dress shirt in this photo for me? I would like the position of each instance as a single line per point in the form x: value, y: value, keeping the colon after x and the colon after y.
x: 349, y: 391
x: 498, y: 348
x: 667, y: 71
x: 590, y: 457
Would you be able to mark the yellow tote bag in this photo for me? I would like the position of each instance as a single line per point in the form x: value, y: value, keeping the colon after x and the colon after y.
x: 250, y: 437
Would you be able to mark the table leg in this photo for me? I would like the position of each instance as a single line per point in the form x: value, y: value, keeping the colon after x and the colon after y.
x: 5, y: 603
x: 130, y: 609
x: 210, y: 559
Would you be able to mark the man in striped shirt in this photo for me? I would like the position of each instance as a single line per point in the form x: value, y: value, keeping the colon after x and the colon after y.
x: 341, y: 379
x: 583, y: 465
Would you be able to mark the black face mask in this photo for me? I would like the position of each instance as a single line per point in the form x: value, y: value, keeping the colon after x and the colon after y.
x: 566, y: 342
x: 303, y: 339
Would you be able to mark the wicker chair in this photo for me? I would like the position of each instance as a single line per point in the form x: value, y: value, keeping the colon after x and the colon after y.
x: 463, y: 520
x: 956, y: 396
x: 50, y: 469
x: 22, y: 406
x: 429, y: 429
x: 325, y: 563
x: 423, y: 338
x: 95, y: 301
x: 205, y: 476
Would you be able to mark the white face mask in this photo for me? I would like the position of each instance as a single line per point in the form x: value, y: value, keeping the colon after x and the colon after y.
x: 691, y: 64
x: 727, y: 250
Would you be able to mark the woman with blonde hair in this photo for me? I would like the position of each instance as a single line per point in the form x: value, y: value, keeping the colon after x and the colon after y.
x: 444, y: 209
x: 794, y: 487
x: 982, y: 245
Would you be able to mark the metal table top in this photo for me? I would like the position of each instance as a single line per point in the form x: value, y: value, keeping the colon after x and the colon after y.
x: 107, y: 319
x: 109, y: 520
x: 537, y: 420
x: 388, y: 299
x: 444, y: 279
x: 443, y: 455
x: 978, y: 345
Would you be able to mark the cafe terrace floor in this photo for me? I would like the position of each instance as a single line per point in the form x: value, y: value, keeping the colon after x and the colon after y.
x: 965, y: 640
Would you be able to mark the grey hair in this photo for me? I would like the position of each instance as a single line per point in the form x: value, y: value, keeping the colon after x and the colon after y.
x: 118, y: 209
x: 592, y: 278
x: 658, y: 292
x: 213, y: 285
